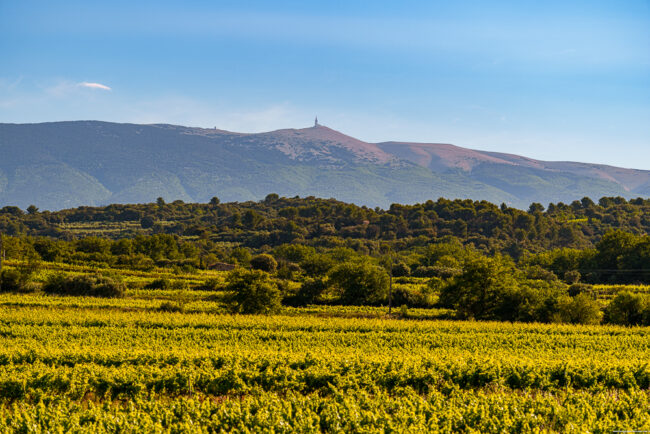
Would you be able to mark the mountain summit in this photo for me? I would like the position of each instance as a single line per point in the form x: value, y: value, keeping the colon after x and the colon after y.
x: 66, y: 164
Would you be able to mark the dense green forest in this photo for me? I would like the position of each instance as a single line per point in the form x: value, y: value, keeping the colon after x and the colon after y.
x: 482, y: 260
x: 203, y: 233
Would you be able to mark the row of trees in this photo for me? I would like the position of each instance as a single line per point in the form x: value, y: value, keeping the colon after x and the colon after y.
x: 619, y: 257
x: 485, y: 289
x: 463, y: 279
x: 277, y: 220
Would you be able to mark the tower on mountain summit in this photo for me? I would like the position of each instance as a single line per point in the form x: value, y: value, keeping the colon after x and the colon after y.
x: 316, y: 121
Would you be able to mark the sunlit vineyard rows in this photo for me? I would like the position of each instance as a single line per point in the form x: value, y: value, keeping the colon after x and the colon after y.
x: 90, y: 364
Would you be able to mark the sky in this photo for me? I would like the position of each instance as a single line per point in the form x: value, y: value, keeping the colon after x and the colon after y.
x: 553, y: 80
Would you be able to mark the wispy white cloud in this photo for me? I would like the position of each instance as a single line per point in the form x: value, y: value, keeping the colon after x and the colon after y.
x: 94, y: 85
x: 67, y: 88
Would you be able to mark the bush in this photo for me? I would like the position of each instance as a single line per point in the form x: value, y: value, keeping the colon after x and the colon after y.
x: 159, y: 284
x: 580, y: 288
x: 264, y: 262
x: 210, y: 285
x: 18, y: 279
x: 147, y: 222
x: 360, y: 283
x: 317, y: 265
x: 442, y: 272
x: 572, y: 277
x: 309, y: 293
x: 581, y: 309
x: 401, y: 269
x: 164, y: 283
x: 535, y: 272
x: 480, y: 290
x: 413, y: 298
x: 251, y: 292
x: 12, y: 281
x: 171, y: 306
x: 84, y: 285
x: 525, y: 301
x: 287, y: 271
x: 627, y: 309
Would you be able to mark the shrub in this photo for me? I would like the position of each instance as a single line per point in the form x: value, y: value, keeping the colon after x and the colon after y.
x: 535, y: 272
x: 401, y: 269
x: 309, y: 292
x: 480, y: 290
x: 251, y: 292
x: 412, y: 298
x: 435, y: 271
x: 360, y: 283
x: 579, y: 288
x: 18, y: 279
x: 84, y: 285
x: 147, y: 222
x: 288, y: 270
x: 317, y: 265
x: 161, y: 283
x: 171, y: 306
x: 572, y: 277
x: 425, y: 271
x: 264, y: 262
x: 210, y: 285
x: 524, y: 301
x: 581, y: 309
x: 12, y: 280
x: 627, y: 309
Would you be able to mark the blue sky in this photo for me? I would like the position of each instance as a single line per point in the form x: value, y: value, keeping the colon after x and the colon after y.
x: 555, y: 80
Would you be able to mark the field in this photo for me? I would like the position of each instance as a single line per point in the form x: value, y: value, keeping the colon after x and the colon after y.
x: 86, y: 365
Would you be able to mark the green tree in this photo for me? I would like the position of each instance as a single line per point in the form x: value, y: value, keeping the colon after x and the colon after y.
x: 626, y: 309
x: 581, y: 309
x: 241, y: 255
x: 478, y: 292
x: 264, y: 262
x: 360, y: 283
x: 310, y: 291
x: 147, y: 222
x: 251, y: 292
x: 85, y: 285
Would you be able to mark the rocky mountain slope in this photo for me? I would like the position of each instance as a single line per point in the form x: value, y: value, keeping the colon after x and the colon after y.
x: 66, y: 164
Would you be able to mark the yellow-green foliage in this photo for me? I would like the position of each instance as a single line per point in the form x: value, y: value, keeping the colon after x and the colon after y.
x: 88, y: 364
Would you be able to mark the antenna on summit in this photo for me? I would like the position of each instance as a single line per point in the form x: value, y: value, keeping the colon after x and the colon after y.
x: 316, y: 121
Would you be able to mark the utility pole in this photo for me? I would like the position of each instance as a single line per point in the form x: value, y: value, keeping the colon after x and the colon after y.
x: 390, y: 285
x: 2, y: 255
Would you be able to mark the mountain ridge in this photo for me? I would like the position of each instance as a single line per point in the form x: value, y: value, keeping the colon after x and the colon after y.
x: 57, y: 165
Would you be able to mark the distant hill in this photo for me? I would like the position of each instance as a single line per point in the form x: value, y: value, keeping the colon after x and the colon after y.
x: 67, y: 164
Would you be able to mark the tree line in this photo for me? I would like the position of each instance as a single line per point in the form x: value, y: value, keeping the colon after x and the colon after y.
x: 497, y: 263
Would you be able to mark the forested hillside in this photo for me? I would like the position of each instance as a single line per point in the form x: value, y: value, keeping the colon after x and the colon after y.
x: 561, y: 237
x: 277, y: 220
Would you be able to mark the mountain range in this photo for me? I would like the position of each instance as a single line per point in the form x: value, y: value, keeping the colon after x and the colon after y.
x: 60, y: 165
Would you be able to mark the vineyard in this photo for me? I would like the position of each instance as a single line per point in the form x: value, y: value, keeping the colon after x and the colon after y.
x: 87, y: 364
x: 273, y: 316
